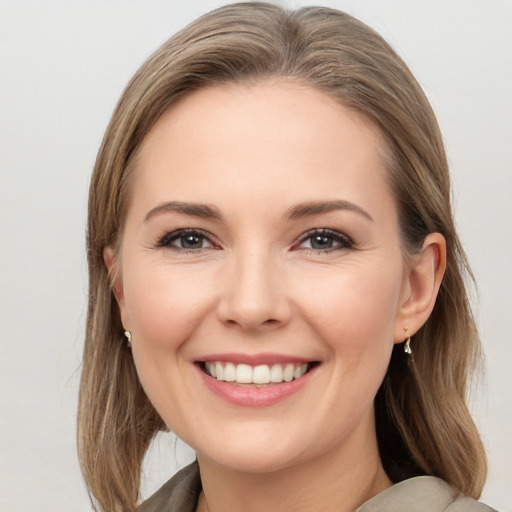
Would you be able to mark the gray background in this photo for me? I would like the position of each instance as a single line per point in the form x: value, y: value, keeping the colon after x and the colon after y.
x: 63, y: 65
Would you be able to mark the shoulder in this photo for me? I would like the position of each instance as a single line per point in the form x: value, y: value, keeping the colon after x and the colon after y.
x: 422, y: 494
x: 465, y: 504
x: 179, y: 494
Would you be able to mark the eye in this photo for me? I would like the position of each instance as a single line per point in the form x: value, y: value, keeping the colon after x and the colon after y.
x: 324, y: 240
x: 186, y: 240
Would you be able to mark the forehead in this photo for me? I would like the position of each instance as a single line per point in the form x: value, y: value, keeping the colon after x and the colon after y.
x: 263, y: 141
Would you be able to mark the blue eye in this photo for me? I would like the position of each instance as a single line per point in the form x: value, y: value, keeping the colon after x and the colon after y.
x: 324, y: 240
x: 186, y: 240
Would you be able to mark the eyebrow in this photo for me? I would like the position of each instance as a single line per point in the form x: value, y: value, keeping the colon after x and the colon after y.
x: 318, y: 207
x: 203, y: 211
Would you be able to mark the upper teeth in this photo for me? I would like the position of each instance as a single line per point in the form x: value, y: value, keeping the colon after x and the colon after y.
x: 261, y: 374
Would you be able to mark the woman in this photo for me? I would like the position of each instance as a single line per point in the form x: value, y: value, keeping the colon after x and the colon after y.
x: 275, y: 277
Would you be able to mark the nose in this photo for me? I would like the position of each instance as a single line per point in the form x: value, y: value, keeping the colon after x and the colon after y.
x: 254, y: 294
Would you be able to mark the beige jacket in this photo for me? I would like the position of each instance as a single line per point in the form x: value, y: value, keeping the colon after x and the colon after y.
x: 420, y: 494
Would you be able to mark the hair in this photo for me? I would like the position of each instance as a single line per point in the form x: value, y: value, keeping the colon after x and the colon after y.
x: 422, y: 418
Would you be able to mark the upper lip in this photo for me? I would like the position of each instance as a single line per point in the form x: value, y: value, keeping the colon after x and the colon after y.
x: 253, y: 359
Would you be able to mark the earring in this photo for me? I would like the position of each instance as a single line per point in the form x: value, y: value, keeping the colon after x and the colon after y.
x: 407, y: 346
x: 128, y: 335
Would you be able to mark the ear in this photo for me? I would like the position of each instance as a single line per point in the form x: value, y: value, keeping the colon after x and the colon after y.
x: 421, y: 286
x: 116, y: 283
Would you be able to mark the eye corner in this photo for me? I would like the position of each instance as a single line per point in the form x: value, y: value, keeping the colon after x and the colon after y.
x: 327, y: 241
x: 197, y: 239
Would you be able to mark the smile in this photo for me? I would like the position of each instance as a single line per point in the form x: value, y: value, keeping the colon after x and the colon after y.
x: 260, y: 374
x: 259, y: 380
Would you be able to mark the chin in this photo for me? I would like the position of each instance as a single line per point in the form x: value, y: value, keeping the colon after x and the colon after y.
x: 255, y: 460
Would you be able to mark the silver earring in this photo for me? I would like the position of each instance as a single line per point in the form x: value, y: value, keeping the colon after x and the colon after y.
x: 128, y: 335
x: 407, y: 346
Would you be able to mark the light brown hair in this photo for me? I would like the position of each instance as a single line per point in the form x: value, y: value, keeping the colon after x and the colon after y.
x: 423, y: 422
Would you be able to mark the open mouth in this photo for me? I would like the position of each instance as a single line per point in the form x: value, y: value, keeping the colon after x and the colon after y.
x: 260, y: 375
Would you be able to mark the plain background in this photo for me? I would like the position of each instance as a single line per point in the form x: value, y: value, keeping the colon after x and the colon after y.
x: 63, y: 65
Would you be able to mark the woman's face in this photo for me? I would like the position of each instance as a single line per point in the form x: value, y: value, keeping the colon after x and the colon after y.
x: 262, y: 242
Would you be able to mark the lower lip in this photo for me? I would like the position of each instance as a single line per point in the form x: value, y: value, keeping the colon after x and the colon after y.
x: 248, y: 396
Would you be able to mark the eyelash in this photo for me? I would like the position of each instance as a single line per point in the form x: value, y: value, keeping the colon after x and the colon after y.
x: 168, y: 238
x: 344, y: 241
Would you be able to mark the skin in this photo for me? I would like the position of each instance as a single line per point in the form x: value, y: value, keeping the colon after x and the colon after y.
x: 255, y: 284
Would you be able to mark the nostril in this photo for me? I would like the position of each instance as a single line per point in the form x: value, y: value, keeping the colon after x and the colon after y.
x: 269, y: 322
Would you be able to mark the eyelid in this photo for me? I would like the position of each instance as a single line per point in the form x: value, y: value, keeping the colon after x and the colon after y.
x: 165, y: 241
x: 345, y: 241
x: 168, y: 237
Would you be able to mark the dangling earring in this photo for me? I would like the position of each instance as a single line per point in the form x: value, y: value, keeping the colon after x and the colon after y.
x: 128, y: 335
x: 407, y: 346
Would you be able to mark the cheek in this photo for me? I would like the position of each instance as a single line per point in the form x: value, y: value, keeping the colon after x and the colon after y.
x: 164, y: 305
x: 354, y: 307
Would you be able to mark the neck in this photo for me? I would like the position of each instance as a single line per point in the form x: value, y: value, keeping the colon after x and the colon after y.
x: 339, y: 480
